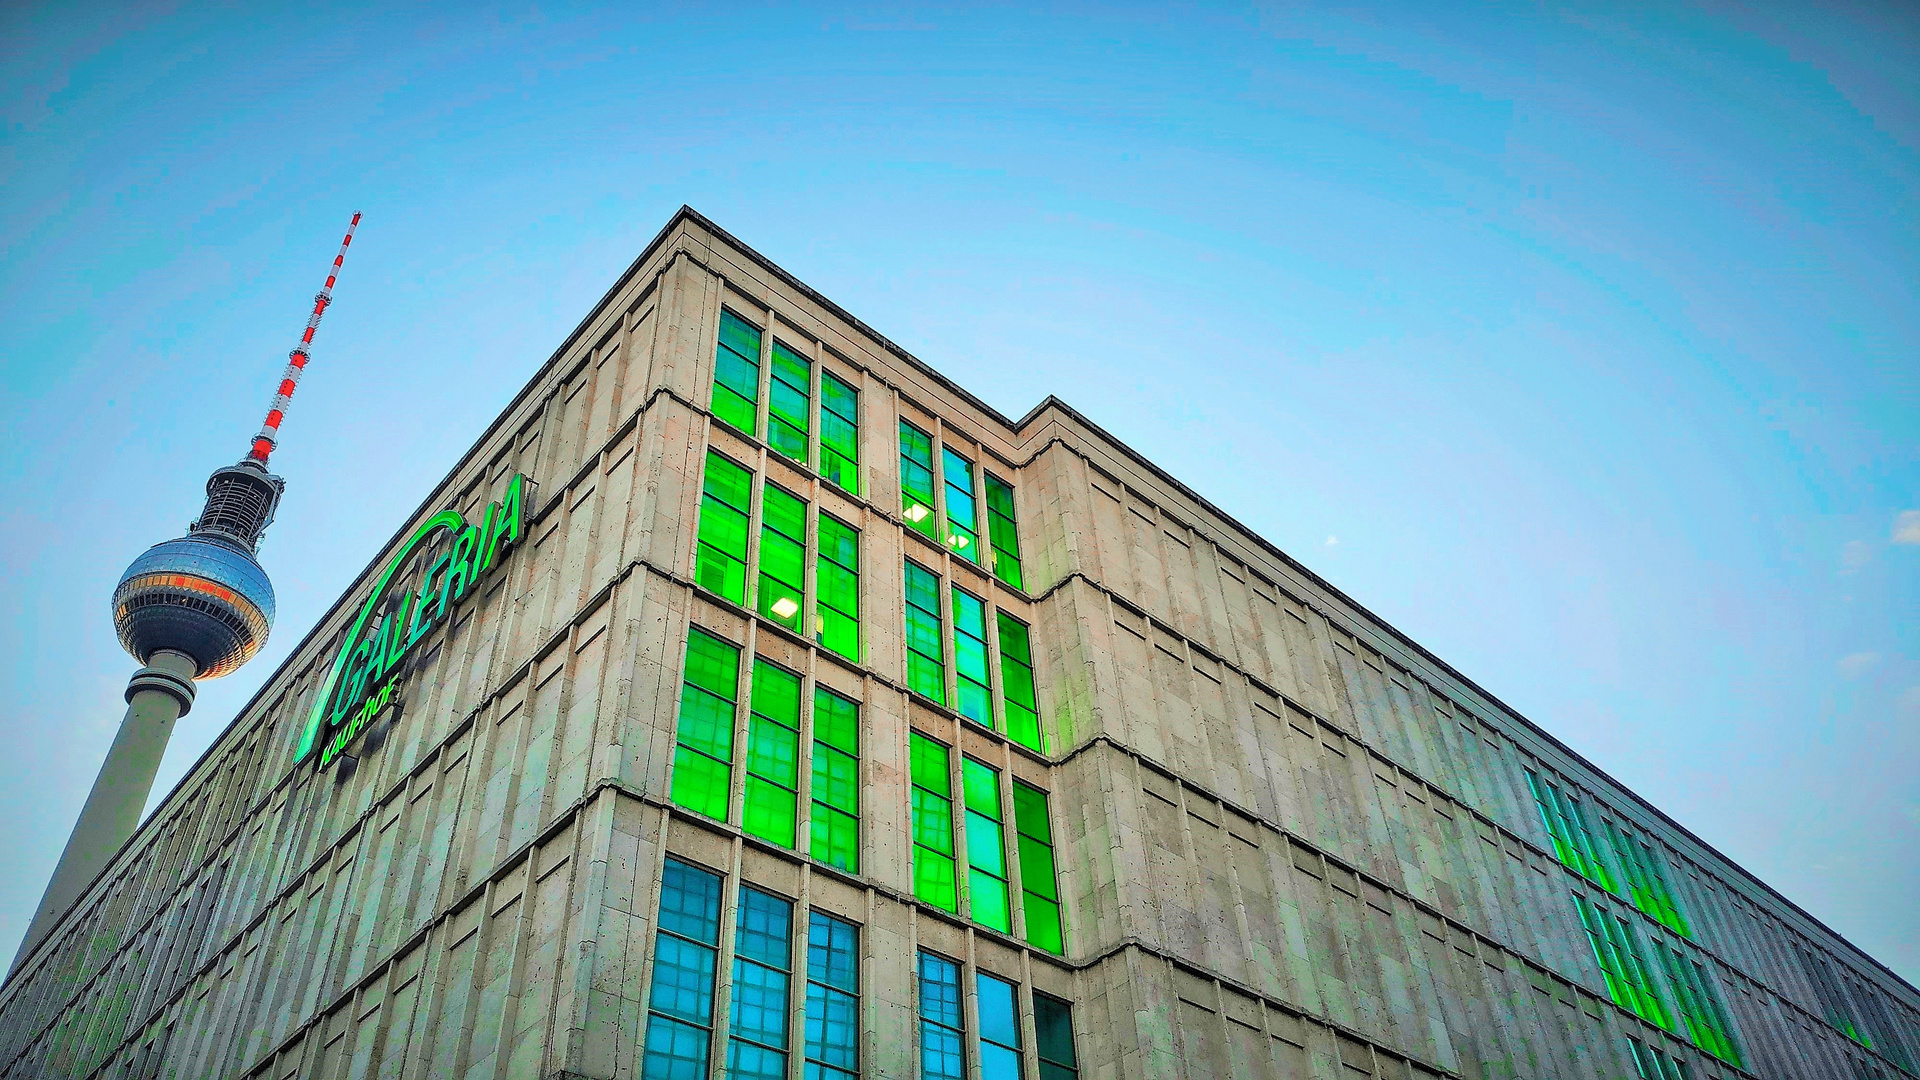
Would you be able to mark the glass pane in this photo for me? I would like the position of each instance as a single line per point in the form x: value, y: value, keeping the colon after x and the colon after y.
x: 713, y: 664
x: 833, y: 1027
x: 760, y: 1004
x: 765, y: 927
x: 998, y: 1063
x: 836, y: 838
x: 836, y: 721
x: 745, y: 1061
x: 999, y: 1010
x: 833, y: 952
x: 1036, y: 868
x: 706, y: 722
x: 675, y: 1050
x: 836, y: 778
x: 934, y: 880
x: 940, y: 1054
x: 930, y: 760
x: 981, y: 784
x: 932, y: 822
x: 773, y: 751
x: 1043, y: 924
x: 1053, y: 1030
x: 989, y: 901
x: 940, y: 990
x: 776, y: 693
x: 1030, y: 812
x: 769, y: 812
x: 700, y: 783
x: 683, y: 979
x: 985, y: 847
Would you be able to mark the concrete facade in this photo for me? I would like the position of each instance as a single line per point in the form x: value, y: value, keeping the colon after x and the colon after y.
x: 1289, y: 841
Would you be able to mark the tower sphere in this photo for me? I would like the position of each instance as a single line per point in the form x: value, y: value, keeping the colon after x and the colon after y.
x: 201, y: 595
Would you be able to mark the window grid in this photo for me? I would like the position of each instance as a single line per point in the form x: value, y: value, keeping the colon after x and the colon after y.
x: 1647, y: 1000
x: 686, y: 951
x: 1039, y: 884
x: 726, y: 502
x: 836, y: 572
x: 703, y: 751
x: 973, y: 691
x: 789, y: 403
x: 1655, y: 1064
x: 762, y: 976
x: 839, y: 433
x: 942, y: 1022
x: 736, y: 374
x: 1001, y: 532
x: 934, y: 875
x: 998, y: 1005
x: 1571, y: 844
x: 783, y: 555
x: 835, y: 820
x: 1019, y: 704
x: 987, y: 892
x: 1053, y: 1030
x: 833, y: 999
x: 916, y: 479
x: 1699, y: 1008
x: 963, y: 515
x: 1612, y: 949
x: 773, y: 755
x: 926, y: 659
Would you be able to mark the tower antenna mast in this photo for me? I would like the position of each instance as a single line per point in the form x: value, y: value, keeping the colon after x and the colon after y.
x: 269, y: 435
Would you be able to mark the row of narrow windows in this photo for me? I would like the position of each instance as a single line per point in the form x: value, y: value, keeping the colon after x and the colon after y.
x: 994, y: 816
x: 760, y: 1021
x: 963, y: 652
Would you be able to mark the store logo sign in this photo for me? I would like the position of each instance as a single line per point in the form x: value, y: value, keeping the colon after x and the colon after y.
x: 366, y: 673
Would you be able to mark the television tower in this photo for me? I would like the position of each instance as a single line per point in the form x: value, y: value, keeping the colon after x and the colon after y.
x: 196, y: 607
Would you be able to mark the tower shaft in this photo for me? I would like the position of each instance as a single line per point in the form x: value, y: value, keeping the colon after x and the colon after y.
x: 157, y: 695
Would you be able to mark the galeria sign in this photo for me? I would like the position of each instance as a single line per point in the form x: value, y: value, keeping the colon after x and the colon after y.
x: 366, y: 673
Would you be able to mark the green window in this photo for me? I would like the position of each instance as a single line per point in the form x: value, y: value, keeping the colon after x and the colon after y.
x: 736, y: 374
x: 1699, y: 1007
x: 1646, y: 881
x: 836, y: 576
x: 926, y: 660
x: 1652, y: 1064
x: 836, y: 780
x: 963, y: 524
x: 1039, y: 887
x: 839, y: 433
x: 762, y: 981
x: 1001, y: 532
x: 1053, y: 1024
x: 789, y: 402
x: 783, y: 555
x: 773, y: 754
x: 703, y: 750
x: 971, y: 685
x: 720, y: 565
x: 986, y: 847
x: 916, y: 478
x: 1572, y: 844
x: 933, y: 867
x: 1016, y: 683
x: 1619, y: 959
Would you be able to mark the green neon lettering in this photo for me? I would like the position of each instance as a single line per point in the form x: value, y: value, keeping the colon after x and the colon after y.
x: 362, y: 663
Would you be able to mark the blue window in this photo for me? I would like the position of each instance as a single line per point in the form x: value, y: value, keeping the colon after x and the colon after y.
x: 680, y: 1011
x: 942, y: 1024
x: 833, y: 999
x: 762, y: 971
x: 999, y: 1028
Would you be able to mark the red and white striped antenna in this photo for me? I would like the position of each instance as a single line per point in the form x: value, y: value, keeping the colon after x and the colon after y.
x: 269, y: 436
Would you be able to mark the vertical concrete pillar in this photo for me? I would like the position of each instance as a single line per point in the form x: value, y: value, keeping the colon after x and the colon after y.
x: 157, y: 695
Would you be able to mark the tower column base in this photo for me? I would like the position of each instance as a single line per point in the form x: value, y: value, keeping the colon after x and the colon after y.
x: 157, y: 695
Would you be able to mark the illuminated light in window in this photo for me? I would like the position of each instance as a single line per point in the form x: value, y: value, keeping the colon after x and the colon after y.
x: 956, y: 542
x: 916, y: 512
x: 785, y: 607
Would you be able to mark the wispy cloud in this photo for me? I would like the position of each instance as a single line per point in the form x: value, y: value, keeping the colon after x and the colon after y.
x: 1855, y: 555
x: 1857, y: 664
x: 1333, y: 541
x: 1906, y: 527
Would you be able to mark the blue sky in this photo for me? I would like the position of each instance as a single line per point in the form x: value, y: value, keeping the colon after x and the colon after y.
x: 1582, y: 346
